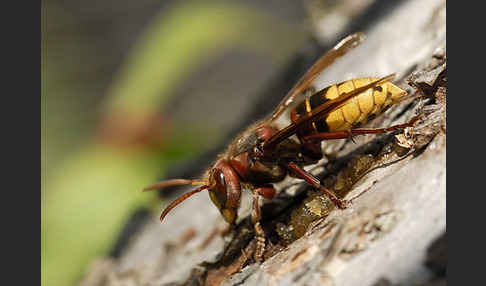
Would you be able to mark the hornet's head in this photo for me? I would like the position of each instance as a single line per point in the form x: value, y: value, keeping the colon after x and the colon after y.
x: 225, y: 190
x: 222, y: 183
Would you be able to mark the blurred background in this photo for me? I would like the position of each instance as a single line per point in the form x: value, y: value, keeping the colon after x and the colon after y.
x: 133, y: 91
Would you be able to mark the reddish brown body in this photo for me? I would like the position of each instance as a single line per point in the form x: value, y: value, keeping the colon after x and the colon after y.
x: 264, y: 154
x: 241, y: 163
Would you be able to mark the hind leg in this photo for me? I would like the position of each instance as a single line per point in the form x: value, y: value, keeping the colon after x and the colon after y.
x: 358, y: 131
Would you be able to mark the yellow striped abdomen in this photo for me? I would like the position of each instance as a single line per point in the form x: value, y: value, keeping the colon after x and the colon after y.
x: 355, y: 111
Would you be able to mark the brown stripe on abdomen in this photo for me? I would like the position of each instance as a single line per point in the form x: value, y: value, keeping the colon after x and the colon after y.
x: 315, y: 100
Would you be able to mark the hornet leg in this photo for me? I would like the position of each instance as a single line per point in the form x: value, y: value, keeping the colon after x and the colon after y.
x: 309, y: 178
x: 268, y: 193
x: 358, y: 131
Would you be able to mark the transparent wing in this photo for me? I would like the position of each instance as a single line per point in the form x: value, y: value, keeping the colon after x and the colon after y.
x: 321, y: 111
x: 323, y: 62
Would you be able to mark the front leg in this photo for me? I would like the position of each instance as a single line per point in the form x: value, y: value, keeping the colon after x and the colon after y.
x: 269, y: 193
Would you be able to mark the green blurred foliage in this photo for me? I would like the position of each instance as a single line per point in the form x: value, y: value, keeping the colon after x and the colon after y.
x: 92, y: 194
x: 89, y: 190
x: 174, y: 45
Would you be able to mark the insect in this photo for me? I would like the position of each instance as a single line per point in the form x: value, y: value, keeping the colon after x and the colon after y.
x: 264, y: 154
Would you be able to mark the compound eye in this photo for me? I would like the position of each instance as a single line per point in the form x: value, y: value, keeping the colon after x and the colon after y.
x: 221, y: 179
x: 218, y: 179
x: 218, y: 190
